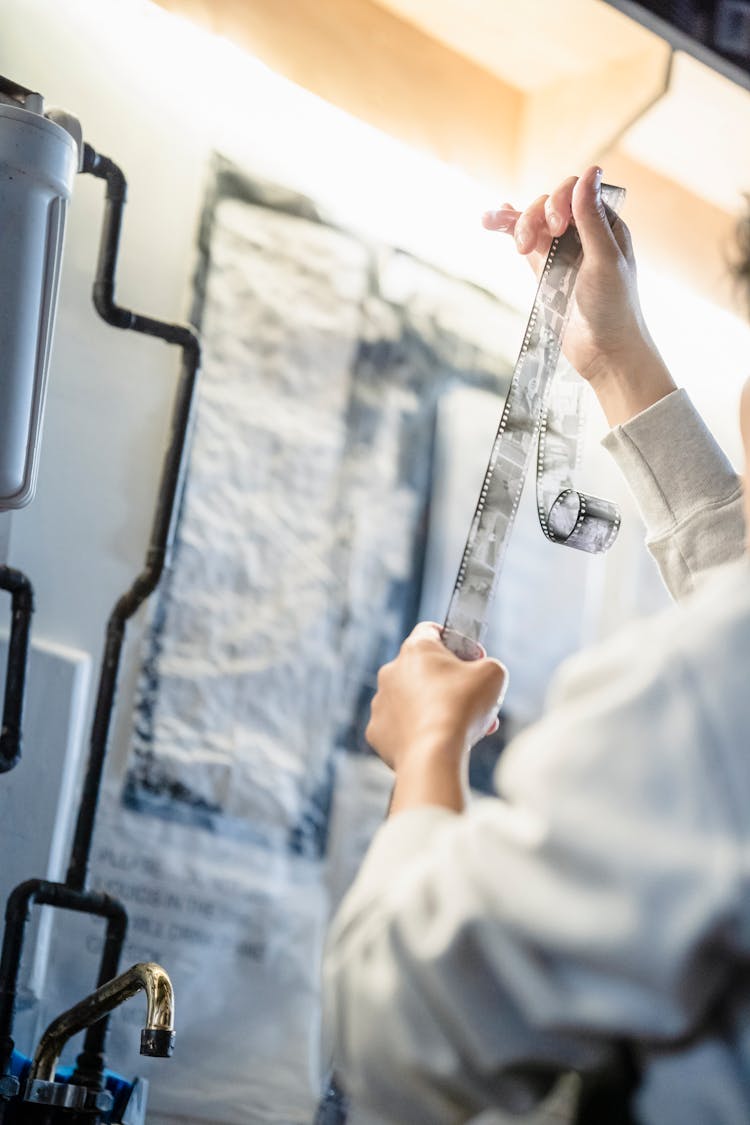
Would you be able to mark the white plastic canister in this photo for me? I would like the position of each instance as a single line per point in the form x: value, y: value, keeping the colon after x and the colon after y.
x: 38, y: 163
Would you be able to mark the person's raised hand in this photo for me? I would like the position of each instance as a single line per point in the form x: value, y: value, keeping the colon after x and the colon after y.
x: 606, y: 339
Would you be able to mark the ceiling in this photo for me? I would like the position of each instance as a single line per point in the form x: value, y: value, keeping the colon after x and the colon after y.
x: 696, y: 134
x: 516, y: 91
x: 520, y: 93
x: 528, y: 43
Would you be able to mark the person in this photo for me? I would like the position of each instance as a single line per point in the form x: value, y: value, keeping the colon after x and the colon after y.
x: 597, y: 908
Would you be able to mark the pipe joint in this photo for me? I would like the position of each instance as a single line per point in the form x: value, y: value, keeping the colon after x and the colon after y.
x: 103, y: 297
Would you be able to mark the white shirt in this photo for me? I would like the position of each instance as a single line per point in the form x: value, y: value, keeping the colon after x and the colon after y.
x: 605, y: 894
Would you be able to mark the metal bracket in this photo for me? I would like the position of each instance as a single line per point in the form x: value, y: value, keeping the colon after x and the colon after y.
x: 67, y: 1096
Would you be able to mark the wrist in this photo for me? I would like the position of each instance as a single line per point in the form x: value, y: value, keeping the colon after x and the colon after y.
x: 629, y: 383
x: 431, y: 773
x: 432, y: 750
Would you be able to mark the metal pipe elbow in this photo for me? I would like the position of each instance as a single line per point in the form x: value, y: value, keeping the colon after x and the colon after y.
x: 157, y: 1037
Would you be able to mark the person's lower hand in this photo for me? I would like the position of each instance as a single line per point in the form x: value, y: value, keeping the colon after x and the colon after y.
x: 606, y: 339
x: 430, y: 704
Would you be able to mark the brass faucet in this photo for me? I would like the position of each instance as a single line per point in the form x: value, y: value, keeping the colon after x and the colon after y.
x: 157, y: 1037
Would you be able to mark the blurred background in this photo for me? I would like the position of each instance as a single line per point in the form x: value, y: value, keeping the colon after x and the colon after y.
x: 306, y: 182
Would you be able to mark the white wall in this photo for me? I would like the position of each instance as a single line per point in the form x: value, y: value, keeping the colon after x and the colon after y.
x: 83, y: 538
x: 159, y: 96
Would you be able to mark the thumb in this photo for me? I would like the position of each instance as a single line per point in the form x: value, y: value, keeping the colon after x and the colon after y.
x: 590, y: 215
x: 491, y: 682
x: 494, y: 681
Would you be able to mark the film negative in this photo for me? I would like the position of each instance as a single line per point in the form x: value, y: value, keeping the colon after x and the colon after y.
x: 535, y: 408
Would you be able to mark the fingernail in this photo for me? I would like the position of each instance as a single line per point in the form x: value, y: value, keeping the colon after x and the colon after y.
x: 598, y: 182
x: 498, y: 220
x: 554, y: 221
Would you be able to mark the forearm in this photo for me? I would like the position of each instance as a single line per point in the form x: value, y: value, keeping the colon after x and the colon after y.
x: 631, y: 382
x: 430, y: 707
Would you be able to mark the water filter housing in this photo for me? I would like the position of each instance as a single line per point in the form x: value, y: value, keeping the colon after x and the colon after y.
x: 38, y: 163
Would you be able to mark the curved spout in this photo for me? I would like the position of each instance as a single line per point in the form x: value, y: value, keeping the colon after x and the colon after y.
x: 157, y: 1037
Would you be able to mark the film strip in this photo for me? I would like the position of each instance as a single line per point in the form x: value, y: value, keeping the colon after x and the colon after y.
x: 566, y: 516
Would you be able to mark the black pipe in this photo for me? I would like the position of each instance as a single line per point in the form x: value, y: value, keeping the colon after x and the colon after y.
x: 21, y: 609
x: 72, y: 894
x: 89, y: 1066
x: 43, y: 893
x: 162, y: 532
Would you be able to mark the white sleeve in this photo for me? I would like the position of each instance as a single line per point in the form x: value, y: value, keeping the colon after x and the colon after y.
x: 688, y: 493
x: 531, y: 931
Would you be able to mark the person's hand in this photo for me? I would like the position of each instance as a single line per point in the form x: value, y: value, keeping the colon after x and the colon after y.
x: 430, y: 704
x: 606, y: 339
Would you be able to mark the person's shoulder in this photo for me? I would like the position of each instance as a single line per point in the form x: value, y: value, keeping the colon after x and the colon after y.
x: 717, y: 615
x: 713, y: 640
x: 650, y: 707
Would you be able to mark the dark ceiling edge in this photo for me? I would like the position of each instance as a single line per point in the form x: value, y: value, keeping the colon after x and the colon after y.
x: 681, y: 41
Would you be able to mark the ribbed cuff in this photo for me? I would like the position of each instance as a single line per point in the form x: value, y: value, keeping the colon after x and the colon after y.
x: 672, y: 462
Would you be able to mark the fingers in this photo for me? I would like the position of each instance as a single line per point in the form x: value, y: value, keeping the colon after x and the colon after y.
x: 536, y: 226
x: 425, y: 631
x: 503, y: 219
x: 486, y: 684
x: 490, y: 696
x: 576, y: 198
x: 590, y: 216
x: 492, y: 679
x: 528, y: 227
x: 495, y: 682
x: 622, y: 236
x: 557, y: 209
x: 428, y: 634
x: 531, y: 232
x: 428, y: 690
x: 493, y: 674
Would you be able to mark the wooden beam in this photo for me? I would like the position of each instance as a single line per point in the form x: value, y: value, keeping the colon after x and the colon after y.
x: 388, y: 72
x: 681, y: 234
x: 575, y: 121
x: 381, y: 69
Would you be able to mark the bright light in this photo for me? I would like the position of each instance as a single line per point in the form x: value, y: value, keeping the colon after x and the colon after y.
x: 362, y: 178
x: 382, y: 188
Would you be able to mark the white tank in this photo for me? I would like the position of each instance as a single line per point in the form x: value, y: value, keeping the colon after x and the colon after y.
x: 38, y: 163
